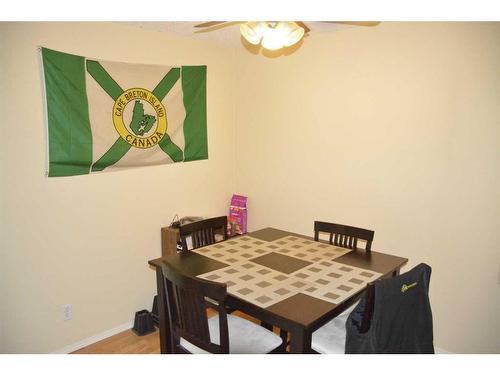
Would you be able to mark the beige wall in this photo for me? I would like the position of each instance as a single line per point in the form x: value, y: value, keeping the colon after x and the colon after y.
x: 86, y: 240
x: 393, y: 128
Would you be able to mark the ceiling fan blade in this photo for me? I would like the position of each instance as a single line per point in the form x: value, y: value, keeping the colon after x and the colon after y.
x: 218, y: 26
x: 356, y: 23
x: 304, y: 26
x: 209, y: 24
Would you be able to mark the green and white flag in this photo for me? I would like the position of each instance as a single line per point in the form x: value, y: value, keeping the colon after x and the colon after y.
x: 104, y: 115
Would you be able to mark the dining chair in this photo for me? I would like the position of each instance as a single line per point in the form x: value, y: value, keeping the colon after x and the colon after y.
x: 202, y: 233
x: 394, y: 316
x: 193, y: 332
x: 344, y: 235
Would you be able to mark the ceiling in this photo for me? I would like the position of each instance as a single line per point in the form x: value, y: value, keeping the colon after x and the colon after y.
x: 228, y: 36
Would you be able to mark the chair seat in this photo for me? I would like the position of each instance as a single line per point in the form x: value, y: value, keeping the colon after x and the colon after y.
x: 330, y: 338
x: 245, y: 337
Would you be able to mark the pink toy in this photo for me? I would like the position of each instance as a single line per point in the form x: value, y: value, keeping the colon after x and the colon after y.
x: 238, y: 213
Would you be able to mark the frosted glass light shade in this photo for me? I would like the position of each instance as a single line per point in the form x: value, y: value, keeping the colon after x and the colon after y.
x: 296, y: 33
x: 272, y: 36
x: 251, y: 32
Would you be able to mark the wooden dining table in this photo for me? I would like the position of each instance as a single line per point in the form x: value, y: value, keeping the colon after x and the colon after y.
x: 282, y: 278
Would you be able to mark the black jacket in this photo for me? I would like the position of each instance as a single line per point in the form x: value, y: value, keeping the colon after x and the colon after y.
x: 401, y: 320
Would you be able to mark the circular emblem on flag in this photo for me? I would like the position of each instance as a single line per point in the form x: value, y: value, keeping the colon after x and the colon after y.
x: 140, y: 118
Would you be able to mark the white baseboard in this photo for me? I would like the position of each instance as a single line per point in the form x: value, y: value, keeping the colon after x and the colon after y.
x: 441, y: 351
x: 93, y: 339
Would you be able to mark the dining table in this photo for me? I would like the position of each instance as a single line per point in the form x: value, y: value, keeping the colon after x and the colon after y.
x: 281, y: 278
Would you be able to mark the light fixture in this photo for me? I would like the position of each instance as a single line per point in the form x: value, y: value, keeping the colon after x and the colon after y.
x: 272, y: 35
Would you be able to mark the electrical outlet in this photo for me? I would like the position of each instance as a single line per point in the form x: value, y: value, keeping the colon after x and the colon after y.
x: 67, y: 312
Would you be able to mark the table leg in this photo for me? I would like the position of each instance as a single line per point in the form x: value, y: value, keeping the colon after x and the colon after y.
x: 165, y: 342
x: 300, y: 342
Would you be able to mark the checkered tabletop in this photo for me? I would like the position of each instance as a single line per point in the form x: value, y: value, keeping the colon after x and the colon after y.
x: 265, y: 273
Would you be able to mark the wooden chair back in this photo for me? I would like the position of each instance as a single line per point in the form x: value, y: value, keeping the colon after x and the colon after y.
x: 187, y: 310
x: 344, y: 235
x: 203, y: 232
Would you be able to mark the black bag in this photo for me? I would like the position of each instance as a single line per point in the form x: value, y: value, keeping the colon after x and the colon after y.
x: 401, y: 320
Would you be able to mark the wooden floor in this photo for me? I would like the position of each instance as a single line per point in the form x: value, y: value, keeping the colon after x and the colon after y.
x: 128, y: 342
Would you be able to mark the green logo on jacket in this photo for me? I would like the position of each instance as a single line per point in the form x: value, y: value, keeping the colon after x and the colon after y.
x: 405, y: 287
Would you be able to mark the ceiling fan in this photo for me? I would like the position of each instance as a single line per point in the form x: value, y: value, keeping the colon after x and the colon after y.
x: 273, y: 35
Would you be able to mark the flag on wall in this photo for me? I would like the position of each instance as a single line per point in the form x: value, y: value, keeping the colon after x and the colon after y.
x: 104, y: 115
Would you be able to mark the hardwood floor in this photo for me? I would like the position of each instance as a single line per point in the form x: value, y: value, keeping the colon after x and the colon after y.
x: 128, y: 342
